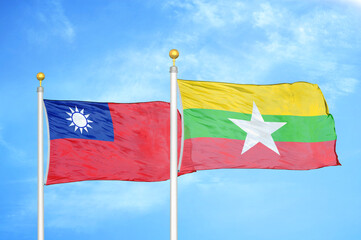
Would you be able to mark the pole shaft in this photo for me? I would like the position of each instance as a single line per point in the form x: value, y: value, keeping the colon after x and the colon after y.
x: 173, y: 155
x: 40, y: 91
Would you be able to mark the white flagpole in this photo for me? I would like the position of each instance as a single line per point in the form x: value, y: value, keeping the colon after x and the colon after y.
x: 40, y: 76
x: 173, y: 148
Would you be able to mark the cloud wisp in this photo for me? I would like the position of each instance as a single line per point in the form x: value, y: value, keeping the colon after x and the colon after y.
x: 312, y: 44
x: 52, y: 22
x: 11, y: 150
x: 85, y: 204
x: 232, y: 42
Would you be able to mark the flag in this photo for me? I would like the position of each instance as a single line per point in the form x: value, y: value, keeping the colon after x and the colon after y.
x: 108, y: 141
x: 281, y: 126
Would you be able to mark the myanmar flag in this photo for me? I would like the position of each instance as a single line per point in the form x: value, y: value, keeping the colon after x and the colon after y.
x: 281, y: 126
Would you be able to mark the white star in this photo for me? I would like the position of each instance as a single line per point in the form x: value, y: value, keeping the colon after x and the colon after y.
x: 258, y: 130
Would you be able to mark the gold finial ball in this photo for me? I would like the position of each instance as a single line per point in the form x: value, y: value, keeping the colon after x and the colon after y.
x: 173, y: 53
x: 40, y: 76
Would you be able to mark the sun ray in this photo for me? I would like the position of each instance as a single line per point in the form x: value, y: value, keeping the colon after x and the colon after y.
x: 79, y: 119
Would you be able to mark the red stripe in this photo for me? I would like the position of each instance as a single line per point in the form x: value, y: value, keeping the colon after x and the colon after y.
x: 215, y: 153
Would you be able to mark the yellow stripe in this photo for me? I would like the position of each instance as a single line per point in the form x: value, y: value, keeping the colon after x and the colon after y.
x: 297, y: 99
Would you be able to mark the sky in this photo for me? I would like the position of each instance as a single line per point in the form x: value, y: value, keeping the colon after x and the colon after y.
x: 117, y: 51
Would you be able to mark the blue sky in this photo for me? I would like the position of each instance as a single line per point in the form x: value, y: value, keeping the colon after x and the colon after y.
x: 118, y: 51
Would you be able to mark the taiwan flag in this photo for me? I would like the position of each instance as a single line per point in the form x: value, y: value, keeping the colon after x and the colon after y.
x: 109, y: 141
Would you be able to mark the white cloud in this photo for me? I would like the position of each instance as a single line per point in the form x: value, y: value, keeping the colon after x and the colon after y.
x: 85, y: 204
x: 210, y: 66
x: 135, y: 75
x: 335, y: 88
x: 348, y: 85
x: 52, y: 22
x: 289, y: 38
x: 313, y: 43
x: 352, y: 2
x: 267, y: 16
x: 213, y: 187
x: 123, y: 75
x: 12, y: 151
x: 210, y: 13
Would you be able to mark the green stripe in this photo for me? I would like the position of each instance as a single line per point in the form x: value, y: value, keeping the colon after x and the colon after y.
x: 215, y: 123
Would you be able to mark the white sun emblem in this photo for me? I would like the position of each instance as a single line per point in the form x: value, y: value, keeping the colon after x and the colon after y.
x: 79, y: 120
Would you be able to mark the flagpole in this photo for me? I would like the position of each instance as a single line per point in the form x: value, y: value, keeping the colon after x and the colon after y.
x: 173, y: 148
x: 40, y: 76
